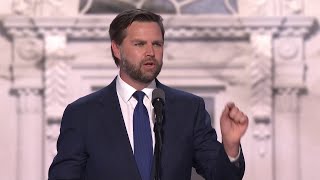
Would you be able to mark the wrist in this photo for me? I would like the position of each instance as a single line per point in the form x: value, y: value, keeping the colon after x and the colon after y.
x: 232, y: 149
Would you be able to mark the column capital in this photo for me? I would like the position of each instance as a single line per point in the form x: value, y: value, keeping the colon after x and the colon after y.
x: 287, y: 99
x: 288, y: 91
x: 26, y: 91
x: 28, y: 99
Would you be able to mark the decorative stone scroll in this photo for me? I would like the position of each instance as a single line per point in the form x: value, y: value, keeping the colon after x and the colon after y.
x: 56, y: 72
x: 27, y: 103
x: 288, y: 99
x: 290, y: 66
x: 261, y: 87
x: 56, y: 87
x: 29, y: 49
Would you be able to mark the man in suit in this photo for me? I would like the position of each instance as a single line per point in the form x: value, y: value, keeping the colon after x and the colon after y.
x: 101, y: 139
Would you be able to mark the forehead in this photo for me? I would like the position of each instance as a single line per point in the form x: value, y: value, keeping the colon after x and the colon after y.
x: 144, y: 30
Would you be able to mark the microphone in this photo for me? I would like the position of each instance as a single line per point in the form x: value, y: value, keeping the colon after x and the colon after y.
x: 158, y: 101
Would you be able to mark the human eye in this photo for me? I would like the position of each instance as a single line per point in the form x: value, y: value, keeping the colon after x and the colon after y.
x: 158, y: 44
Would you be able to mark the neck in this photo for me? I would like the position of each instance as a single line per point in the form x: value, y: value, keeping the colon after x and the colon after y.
x: 138, y: 85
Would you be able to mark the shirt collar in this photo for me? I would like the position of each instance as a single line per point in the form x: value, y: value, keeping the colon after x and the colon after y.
x: 126, y: 91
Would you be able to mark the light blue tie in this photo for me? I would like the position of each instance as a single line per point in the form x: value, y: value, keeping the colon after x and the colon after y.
x: 143, y: 152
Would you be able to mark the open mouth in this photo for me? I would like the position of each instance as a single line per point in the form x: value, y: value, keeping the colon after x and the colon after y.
x: 149, y: 64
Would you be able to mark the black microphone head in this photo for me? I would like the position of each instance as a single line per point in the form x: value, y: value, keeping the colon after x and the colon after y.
x: 158, y: 94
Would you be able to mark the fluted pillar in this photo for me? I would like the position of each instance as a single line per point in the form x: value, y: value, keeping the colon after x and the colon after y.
x: 289, y: 83
x: 286, y: 130
x: 30, y: 133
x: 28, y: 89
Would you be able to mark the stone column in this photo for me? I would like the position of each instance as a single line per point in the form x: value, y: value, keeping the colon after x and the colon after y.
x: 287, y: 157
x: 261, y: 100
x: 30, y: 133
x: 288, y: 84
x: 27, y: 86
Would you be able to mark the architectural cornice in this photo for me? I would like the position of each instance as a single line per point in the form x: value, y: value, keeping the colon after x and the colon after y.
x: 181, y: 26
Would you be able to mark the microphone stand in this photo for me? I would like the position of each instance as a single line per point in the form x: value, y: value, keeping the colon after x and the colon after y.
x: 158, y: 145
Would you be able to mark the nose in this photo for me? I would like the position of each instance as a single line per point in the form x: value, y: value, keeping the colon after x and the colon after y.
x: 150, y: 50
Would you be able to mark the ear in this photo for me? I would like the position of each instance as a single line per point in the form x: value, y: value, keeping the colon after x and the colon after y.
x: 115, y: 49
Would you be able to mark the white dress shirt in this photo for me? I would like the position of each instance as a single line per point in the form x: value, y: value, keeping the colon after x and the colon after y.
x: 128, y: 103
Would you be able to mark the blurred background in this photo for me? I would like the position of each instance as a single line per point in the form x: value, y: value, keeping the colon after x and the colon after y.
x: 262, y: 54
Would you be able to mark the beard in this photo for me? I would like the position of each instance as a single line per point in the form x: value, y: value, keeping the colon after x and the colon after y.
x: 136, y: 72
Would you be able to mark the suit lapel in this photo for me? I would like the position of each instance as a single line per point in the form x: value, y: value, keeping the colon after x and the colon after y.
x: 112, y: 117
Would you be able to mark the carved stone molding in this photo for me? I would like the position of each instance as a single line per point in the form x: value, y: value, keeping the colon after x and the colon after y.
x: 26, y: 91
x: 261, y: 76
x: 256, y: 8
x: 27, y: 100
x: 262, y: 134
x: 292, y: 7
x: 56, y: 47
x: 28, y: 53
x: 24, y: 7
x: 29, y: 49
x: 56, y: 74
x: 287, y: 50
x: 45, y: 7
x: 261, y: 90
x: 287, y: 98
x: 184, y: 26
x: 290, y: 67
x: 55, y: 87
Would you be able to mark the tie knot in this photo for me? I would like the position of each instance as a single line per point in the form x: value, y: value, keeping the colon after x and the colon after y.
x: 139, y: 96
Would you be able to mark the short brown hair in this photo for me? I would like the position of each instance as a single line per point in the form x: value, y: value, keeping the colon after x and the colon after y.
x: 122, y: 21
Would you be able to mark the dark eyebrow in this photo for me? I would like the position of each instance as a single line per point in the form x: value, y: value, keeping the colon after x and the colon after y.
x: 143, y: 41
x: 158, y: 41
x: 138, y: 40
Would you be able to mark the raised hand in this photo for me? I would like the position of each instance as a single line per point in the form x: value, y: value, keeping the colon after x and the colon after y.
x: 234, y: 124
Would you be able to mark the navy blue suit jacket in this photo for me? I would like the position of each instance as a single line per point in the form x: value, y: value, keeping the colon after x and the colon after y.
x: 93, y: 143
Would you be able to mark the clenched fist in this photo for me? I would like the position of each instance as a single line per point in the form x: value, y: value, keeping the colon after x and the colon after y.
x: 234, y: 124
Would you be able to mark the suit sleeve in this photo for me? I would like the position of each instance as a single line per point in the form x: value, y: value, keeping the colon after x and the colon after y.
x: 69, y: 163
x: 210, y: 159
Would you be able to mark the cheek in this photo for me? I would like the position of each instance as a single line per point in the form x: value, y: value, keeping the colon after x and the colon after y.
x: 136, y: 53
x: 159, y: 52
x: 132, y: 55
